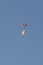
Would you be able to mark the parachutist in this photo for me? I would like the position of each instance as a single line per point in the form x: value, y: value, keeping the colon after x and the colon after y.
x: 23, y: 32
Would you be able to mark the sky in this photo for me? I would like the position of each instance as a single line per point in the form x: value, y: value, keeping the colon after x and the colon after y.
x: 16, y: 49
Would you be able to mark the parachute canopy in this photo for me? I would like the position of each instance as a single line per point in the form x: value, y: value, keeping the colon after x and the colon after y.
x: 24, y: 25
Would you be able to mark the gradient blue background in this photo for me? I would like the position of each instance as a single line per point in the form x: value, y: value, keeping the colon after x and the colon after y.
x: 15, y: 49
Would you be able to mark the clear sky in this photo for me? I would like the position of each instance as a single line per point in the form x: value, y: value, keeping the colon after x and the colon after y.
x: 15, y: 49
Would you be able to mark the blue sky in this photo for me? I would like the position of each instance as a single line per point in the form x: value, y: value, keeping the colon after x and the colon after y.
x: 15, y: 49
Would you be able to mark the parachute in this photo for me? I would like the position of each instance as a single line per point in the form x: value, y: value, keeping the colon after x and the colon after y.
x: 24, y: 29
x: 24, y: 25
